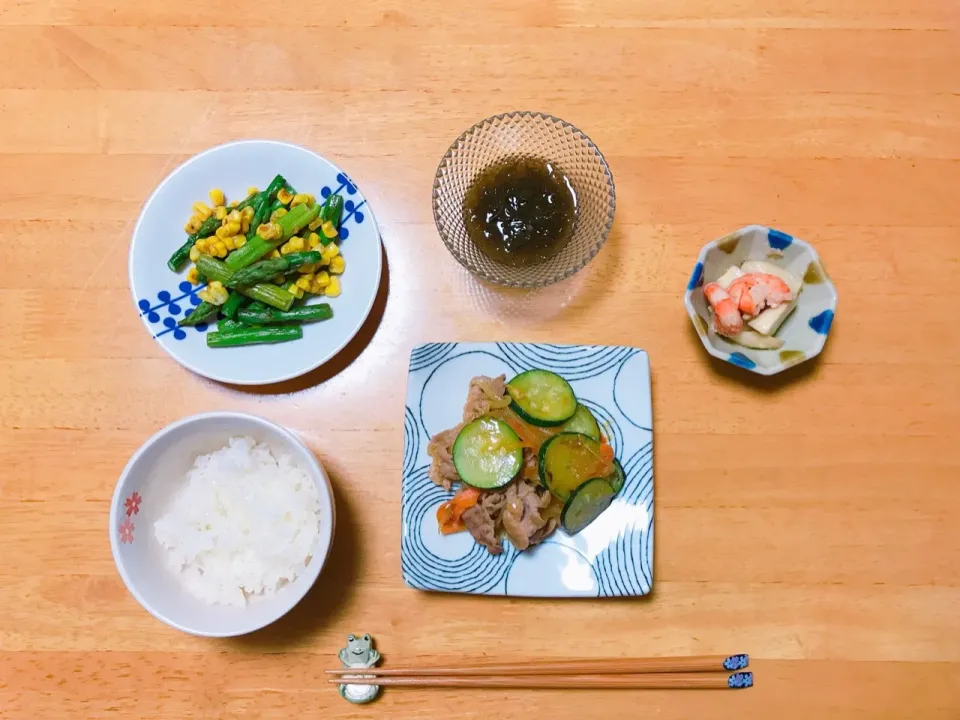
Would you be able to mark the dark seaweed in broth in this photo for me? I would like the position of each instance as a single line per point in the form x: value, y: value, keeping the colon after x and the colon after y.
x: 520, y: 211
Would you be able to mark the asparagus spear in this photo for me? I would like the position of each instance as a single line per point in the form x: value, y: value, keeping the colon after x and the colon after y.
x: 332, y: 211
x: 211, y: 224
x: 182, y: 253
x: 305, y: 313
x: 253, y: 336
x: 226, y: 325
x: 233, y: 303
x: 290, y: 225
x: 266, y: 269
x: 264, y: 292
x: 200, y: 313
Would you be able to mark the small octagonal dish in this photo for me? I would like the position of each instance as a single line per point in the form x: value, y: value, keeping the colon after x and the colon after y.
x: 803, y: 332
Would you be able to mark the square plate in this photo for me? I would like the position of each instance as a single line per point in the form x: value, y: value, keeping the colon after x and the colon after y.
x: 611, y: 557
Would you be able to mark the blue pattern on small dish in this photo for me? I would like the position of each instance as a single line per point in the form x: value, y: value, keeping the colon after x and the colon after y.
x: 696, y: 276
x: 611, y: 557
x: 821, y: 323
x: 778, y: 240
x: 738, y: 358
x: 804, y: 332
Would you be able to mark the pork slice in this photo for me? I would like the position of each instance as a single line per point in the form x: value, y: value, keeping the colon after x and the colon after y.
x: 523, y: 515
x: 483, y: 528
x: 442, y: 470
x: 493, y: 502
x: 478, y: 400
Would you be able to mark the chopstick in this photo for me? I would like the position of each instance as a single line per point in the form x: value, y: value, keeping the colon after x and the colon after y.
x: 609, y: 666
x: 649, y: 681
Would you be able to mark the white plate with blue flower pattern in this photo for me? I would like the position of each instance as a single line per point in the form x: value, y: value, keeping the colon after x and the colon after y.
x: 162, y: 297
x: 613, y: 556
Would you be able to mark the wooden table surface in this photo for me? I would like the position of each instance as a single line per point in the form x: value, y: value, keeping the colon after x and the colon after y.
x: 812, y: 520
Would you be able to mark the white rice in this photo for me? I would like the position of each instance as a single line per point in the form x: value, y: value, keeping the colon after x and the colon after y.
x: 245, y: 524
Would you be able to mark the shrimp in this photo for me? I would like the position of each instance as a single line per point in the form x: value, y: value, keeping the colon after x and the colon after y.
x: 753, y: 292
x: 726, y: 317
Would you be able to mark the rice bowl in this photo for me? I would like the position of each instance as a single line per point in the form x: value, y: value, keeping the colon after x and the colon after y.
x: 149, y: 486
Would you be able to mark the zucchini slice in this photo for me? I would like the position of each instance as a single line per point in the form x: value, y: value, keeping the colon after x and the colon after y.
x: 487, y: 453
x: 567, y: 461
x: 584, y: 422
x: 542, y: 398
x: 585, y: 504
x: 617, y: 478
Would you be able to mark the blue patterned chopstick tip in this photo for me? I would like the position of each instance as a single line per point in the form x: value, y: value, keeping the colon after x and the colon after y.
x: 736, y: 662
x: 740, y: 680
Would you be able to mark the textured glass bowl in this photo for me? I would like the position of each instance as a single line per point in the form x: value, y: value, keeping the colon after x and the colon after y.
x: 516, y: 135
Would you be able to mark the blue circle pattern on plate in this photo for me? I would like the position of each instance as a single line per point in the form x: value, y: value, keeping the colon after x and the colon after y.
x: 622, y: 568
x: 477, y: 571
x: 174, y: 306
x: 428, y: 354
x: 572, y: 362
x: 411, y: 441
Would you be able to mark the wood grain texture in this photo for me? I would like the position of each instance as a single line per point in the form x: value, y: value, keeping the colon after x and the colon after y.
x: 812, y: 520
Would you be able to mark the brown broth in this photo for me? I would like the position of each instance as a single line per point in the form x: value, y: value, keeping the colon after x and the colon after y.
x: 521, y: 211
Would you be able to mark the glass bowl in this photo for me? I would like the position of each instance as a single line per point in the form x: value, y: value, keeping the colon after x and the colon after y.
x: 517, y: 135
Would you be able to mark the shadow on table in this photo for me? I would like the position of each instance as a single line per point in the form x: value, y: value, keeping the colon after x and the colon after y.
x: 534, y: 306
x: 330, y: 593
x: 804, y: 372
x: 343, y: 359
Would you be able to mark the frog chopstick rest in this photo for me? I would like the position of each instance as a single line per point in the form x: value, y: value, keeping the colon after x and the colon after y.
x: 359, y: 653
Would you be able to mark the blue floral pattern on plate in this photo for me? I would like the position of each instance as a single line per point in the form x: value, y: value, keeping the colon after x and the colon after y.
x: 611, y: 557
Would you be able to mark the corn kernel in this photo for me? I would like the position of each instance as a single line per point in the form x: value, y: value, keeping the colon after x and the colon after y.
x: 247, y: 212
x: 216, y: 196
x: 233, y: 204
x: 333, y: 289
x: 220, y: 212
x: 202, y: 209
x: 193, y: 276
x: 228, y: 230
x: 219, y: 249
x: 274, y: 254
x: 194, y: 253
x: 269, y: 231
x: 228, y: 243
x: 337, y: 265
x: 284, y: 196
x: 214, y: 293
x: 305, y: 282
x: 328, y: 230
x: 244, y: 226
x: 297, y: 244
x: 252, y: 191
x: 277, y: 214
x: 315, y: 224
x: 201, y: 245
x: 307, y: 269
x: 299, y: 199
x: 322, y: 279
x: 234, y: 216
x: 239, y: 241
x: 286, y: 249
x: 191, y: 227
x: 332, y: 250
x: 311, y: 200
